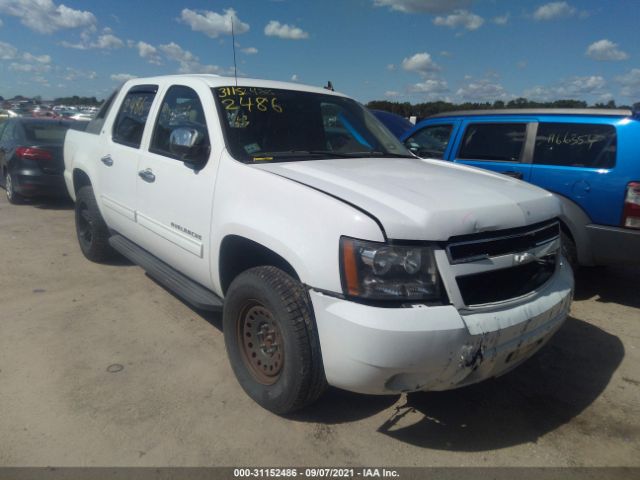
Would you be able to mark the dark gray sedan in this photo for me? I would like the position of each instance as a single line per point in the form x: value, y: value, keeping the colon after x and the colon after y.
x: 31, y: 160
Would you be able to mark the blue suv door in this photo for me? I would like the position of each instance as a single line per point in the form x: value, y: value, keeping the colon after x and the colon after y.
x: 501, y: 144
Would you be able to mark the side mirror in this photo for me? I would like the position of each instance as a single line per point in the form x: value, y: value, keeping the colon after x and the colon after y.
x: 413, y: 147
x: 188, y: 144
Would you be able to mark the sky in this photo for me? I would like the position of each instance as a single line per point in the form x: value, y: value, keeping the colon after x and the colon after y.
x: 398, y: 50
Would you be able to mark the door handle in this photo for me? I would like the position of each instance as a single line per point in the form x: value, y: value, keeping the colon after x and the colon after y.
x: 147, y: 175
x: 107, y: 160
x: 511, y: 173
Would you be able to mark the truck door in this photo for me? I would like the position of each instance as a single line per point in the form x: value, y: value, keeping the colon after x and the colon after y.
x: 118, y: 162
x: 175, y: 194
x: 503, y: 146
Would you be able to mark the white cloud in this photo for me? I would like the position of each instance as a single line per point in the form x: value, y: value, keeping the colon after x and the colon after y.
x: 121, y: 77
x: 630, y: 82
x: 294, y: 77
x: 7, y: 51
x: 188, y: 62
x: 391, y: 67
x: 105, y: 41
x: 586, y: 84
x: 482, y: 90
x: 29, y: 68
x: 44, y: 16
x: 1, y: 22
x: 35, y: 58
x: 605, y: 50
x: 250, y: 50
x: 501, y: 19
x: 108, y: 41
x: 214, y: 24
x: 287, y: 32
x: 420, y: 62
x: 430, y: 86
x: 391, y: 94
x: 571, y: 88
x: 149, y: 53
x: 423, y: 6
x: 71, y: 74
x: 553, y: 11
x: 460, y: 18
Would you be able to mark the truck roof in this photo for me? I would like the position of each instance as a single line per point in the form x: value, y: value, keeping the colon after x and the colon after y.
x: 613, y: 112
x: 220, y: 81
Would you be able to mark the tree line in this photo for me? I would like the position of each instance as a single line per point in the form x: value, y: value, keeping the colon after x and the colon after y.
x: 421, y: 110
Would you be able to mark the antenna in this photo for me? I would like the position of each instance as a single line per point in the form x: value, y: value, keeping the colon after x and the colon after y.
x: 233, y: 38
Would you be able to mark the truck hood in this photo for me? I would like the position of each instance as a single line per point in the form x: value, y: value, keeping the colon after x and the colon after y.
x: 417, y: 199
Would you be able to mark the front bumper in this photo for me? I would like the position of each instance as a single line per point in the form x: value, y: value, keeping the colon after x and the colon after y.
x: 376, y: 350
x: 614, y: 245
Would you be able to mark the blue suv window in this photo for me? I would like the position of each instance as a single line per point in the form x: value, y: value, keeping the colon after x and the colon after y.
x: 575, y: 145
x: 431, y: 141
x: 493, y: 141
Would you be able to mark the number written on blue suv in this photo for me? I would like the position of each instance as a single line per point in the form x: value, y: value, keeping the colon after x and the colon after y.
x: 335, y: 255
x: 588, y: 158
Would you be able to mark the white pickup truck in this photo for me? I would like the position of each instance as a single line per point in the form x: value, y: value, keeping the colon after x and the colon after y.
x: 335, y: 255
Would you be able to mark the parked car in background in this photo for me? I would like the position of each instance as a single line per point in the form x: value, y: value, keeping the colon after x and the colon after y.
x: 396, y: 124
x: 5, y: 114
x: 31, y: 157
x: 81, y: 116
x: 589, y: 158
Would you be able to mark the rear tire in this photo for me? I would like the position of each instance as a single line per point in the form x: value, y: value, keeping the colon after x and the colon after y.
x: 9, y: 184
x: 93, y: 234
x: 272, y: 341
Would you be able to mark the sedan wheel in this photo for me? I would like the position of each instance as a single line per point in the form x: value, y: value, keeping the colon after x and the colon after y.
x: 13, y: 197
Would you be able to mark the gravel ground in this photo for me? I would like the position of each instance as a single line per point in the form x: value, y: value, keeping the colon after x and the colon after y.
x: 100, y: 366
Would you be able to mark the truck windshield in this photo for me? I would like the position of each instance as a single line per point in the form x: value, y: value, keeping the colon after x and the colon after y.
x: 275, y: 125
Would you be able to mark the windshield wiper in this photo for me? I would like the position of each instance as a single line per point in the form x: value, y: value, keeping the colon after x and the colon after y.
x: 373, y: 153
x: 302, y: 153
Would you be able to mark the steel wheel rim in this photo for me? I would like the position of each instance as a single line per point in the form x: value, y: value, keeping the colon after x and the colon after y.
x: 8, y: 186
x: 260, y: 342
x: 84, y: 224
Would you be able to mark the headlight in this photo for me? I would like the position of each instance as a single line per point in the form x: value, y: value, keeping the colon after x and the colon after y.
x: 379, y: 271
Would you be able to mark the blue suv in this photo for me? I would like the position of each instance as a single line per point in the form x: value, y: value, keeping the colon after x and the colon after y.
x: 589, y: 158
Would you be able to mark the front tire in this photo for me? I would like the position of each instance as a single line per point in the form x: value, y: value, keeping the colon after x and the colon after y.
x: 93, y: 234
x: 9, y: 184
x: 272, y: 341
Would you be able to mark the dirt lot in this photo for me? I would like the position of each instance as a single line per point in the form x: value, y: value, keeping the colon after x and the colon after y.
x: 99, y: 365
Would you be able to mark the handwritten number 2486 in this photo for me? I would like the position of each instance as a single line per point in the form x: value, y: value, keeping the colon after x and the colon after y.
x: 259, y: 103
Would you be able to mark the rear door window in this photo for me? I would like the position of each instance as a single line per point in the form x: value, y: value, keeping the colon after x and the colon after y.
x: 431, y: 141
x: 132, y: 117
x: 501, y: 142
x: 575, y: 145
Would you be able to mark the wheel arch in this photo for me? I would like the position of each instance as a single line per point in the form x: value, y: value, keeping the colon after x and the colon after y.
x: 238, y: 253
x: 573, y: 221
x: 80, y: 179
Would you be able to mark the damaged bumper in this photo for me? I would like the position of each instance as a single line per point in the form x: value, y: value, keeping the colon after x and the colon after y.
x: 390, y: 350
